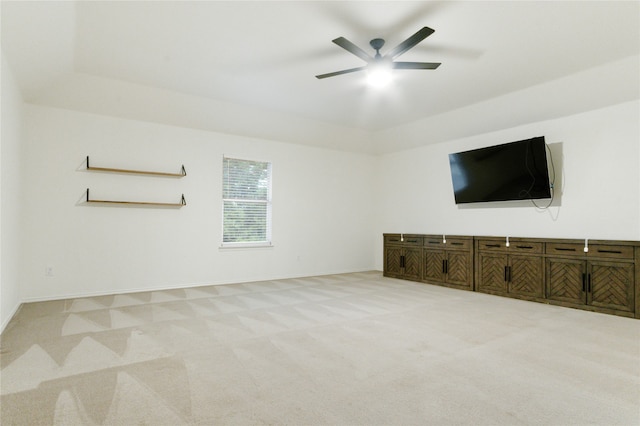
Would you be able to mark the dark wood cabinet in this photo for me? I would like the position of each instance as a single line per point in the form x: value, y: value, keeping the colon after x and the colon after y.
x: 403, y: 256
x: 610, y: 285
x: 526, y: 276
x: 492, y: 272
x: 448, y: 261
x: 514, y: 268
x: 602, y: 278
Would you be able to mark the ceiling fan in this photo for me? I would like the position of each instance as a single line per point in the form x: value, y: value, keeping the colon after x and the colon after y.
x: 386, y: 61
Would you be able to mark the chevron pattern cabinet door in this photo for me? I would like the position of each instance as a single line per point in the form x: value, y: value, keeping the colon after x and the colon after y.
x: 459, y: 271
x: 491, y: 274
x: 611, y: 285
x: 412, y: 263
x: 564, y: 280
x: 432, y: 265
x: 392, y: 260
x: 527, y: 276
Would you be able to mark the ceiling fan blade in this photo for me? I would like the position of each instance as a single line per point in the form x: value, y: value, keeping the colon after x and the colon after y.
x: 410, y: 42
x: 352, y: 48
x: 333, y: 74
x: 415, y: 65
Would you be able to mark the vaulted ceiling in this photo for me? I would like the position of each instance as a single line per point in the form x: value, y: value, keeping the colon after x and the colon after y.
x: 248, y: 67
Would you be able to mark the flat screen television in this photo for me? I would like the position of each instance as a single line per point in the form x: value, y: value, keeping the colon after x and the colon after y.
x: 511, y: 171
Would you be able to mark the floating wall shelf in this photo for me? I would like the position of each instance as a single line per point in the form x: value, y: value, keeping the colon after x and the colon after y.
x: 182, y: 173
x: 182, y: 202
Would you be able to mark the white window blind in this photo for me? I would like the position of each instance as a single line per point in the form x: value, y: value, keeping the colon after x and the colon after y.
x: 246, y: 199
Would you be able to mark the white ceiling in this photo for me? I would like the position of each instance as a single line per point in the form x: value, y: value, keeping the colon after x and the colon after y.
x: 249, y: 67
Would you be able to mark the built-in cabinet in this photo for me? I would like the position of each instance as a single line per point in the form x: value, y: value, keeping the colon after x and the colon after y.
x: 448, y: 261
x: 597, y: 275
x: 514, y: 268
x: 434, y: 259
x: 592, y: 276
x: 403, y: 256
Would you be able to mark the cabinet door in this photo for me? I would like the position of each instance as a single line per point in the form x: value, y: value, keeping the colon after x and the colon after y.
x: 526, y: 276
x: 565, y: 280
x: 393, y: 264
x: 611, y: 285
x: 433, y: 265
x: 459, y: 268
x: 491, y: 274
x: 413, y: 263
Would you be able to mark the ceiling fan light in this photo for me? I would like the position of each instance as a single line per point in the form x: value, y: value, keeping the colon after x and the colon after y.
x: 379, y: 76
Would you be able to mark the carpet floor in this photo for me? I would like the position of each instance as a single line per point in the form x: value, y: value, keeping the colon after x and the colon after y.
x: 349, y: 349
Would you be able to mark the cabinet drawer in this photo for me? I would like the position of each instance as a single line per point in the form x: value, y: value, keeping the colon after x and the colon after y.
x: 458, y: 244
x: 451, y: 244
x: 491, y: 245
x: 515, y: 247
x: 617, y: 252
x: 412, y: 240
x: 595, y: 250
x: 392, y: 239
x: 565, y: 249
x: 434, y: 242
x: 406, y: 239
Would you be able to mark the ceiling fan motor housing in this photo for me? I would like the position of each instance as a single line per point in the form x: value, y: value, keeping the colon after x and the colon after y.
x: 377, y: 44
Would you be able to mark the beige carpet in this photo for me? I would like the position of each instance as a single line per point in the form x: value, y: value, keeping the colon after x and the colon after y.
x: 351, y: 349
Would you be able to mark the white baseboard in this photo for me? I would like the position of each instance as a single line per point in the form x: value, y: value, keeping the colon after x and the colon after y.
x: 174, y: 287
x: 9, y: 318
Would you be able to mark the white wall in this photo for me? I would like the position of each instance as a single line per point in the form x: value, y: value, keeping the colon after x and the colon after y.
x: 321, y: 200
x: 597, y: 158
x: 11, y: 195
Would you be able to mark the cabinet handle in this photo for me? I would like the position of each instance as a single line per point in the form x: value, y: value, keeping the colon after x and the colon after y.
x: 609, y: 251
x: 445, y: 266
x: 584, y: 282
x: 492, y: 245
x: 564, y: 249
x: 412, y: 241
x: 588, y: 283
x: 433, y: 242
x: 505, y: 273
x: 525, y: 247
x: 456, y: 244
x: 402, y: 261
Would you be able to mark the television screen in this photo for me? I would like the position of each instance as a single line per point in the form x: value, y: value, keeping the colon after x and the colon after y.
x: 511, y: 171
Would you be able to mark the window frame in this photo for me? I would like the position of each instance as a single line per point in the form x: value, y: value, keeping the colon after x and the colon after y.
x: 268, y: 203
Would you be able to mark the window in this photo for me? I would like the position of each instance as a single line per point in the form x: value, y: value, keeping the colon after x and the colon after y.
x: 246, y: 200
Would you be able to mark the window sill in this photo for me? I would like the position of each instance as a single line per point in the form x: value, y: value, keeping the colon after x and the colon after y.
x: 235, y: 246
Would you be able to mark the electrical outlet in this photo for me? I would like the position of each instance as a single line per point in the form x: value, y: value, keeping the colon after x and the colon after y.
x: 48, y: 271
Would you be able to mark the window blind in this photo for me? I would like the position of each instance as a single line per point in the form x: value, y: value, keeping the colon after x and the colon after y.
x: 246, y: 199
